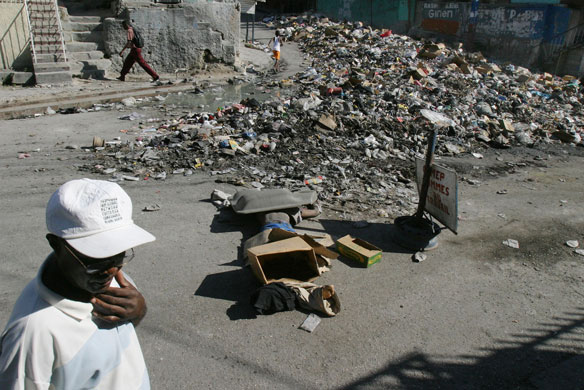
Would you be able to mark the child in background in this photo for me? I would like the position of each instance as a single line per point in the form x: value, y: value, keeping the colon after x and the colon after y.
x: 276, y: 50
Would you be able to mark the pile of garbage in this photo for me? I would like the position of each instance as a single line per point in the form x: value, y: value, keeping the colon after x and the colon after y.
x: 350, y: 125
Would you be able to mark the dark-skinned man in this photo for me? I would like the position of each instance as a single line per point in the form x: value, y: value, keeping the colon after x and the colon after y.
x: 73, y: 326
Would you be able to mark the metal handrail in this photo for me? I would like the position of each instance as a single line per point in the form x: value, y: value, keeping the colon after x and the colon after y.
x: 32, y: 48
x: 60, y: 30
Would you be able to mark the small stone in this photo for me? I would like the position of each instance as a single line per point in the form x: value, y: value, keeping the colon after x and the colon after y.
x: 511, y: 243
x: 572, y: 243
x: 419, y: 257
x: 579, y: 252
x: 152, y: 207
x: 129, y: 102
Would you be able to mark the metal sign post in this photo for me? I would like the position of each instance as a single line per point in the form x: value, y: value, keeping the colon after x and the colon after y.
x: 426, y: 180
x: 438, y: 196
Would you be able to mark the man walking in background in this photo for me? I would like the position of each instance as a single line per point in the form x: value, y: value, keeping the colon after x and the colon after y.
x: 135, y: 43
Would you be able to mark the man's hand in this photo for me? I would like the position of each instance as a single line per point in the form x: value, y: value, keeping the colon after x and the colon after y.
x: 120, y: 304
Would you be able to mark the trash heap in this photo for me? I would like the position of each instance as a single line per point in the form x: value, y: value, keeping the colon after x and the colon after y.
x: 350, y: 124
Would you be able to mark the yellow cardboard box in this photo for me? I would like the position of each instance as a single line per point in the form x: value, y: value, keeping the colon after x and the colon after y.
x: 360, y: 250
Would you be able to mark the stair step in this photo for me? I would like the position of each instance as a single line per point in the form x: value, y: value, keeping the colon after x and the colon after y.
x: 137, y: 4
x: 40, y: 2
x: 18, y: 78
x: 87, y: 36
x: 82, y: 26
x: 86, y: 55
x: 47, y: 41
x: 43, y: 23
x: 85, y: 19
x: 53, y: 78
x: 82, y: 46
x: 35, y: 17
x: 97, y: 74
x: 48, y: 49
x: 95, y: 69
x: 52, y: 67
x: 101, y: 64
x: 45, y: 31
x: 42, y: 38
x: 50, y: 58
x: 41, y: 9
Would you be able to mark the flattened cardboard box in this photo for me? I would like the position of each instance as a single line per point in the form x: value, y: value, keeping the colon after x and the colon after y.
x: 289, y: 259
x: 360, y: 250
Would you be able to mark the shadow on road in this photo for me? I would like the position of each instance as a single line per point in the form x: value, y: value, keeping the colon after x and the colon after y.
x: 547, y: 357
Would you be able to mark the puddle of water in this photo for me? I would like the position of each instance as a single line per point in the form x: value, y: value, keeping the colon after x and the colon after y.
x: 218, y: 96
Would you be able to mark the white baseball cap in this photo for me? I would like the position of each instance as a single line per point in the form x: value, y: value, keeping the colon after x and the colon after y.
x: 95, y: 218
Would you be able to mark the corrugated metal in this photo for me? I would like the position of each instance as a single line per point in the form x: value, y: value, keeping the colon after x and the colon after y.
x: 248, y: 6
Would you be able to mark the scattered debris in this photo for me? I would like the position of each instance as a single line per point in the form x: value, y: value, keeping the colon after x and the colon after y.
x: 419, y: 257
x: 511, y: 243
x: 573, y: 243
x: 310, y: 323
x: 152, y: 207
x: 350, y: 125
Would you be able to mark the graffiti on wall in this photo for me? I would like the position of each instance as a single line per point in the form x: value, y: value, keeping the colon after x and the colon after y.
x: 345, y: 10
x: 519, y: 22
x: 441, y: 17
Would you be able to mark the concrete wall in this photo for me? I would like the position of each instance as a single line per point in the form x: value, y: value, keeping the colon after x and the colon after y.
x: 188, y: 36
x: 14, y: 37
x: 503, y: 32
x: 393, y: 14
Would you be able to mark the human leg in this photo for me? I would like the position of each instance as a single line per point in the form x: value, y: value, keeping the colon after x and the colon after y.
x: 277, y: 63
x: 145, y: 65
x: 128, y: 63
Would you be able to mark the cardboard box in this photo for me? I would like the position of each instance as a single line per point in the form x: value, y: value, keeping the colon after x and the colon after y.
x: 290, y: 259
x: 360, y: 250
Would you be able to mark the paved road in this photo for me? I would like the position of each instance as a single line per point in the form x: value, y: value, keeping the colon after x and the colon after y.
x: 476, y: 314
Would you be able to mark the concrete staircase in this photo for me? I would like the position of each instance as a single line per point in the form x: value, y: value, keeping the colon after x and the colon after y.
x: 84, y: 40
x: 49, y: 57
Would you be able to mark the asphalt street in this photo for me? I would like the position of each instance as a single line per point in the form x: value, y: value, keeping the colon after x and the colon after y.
x: 475, y: 315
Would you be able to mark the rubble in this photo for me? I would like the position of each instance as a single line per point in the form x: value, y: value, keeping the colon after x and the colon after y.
x: 355, y: 119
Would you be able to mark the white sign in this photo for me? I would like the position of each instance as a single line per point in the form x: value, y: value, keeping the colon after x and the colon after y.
x: 442, y: 200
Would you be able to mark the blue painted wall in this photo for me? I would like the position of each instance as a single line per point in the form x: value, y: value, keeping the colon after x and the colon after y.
x: 377, y: 13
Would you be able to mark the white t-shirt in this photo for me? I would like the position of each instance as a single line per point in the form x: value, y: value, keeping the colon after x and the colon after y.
x: 54, y: 343
x: 276, y: 46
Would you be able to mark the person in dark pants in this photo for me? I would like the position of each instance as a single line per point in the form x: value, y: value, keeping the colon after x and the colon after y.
x: 134, y: 56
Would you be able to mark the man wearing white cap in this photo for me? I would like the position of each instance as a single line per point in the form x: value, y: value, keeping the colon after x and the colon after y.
x: 73, y: 326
